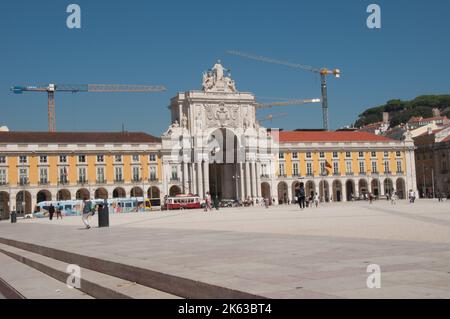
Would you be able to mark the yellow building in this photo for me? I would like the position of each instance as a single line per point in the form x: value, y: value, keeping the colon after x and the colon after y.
x: 41, y: 166
x: 341, y: 166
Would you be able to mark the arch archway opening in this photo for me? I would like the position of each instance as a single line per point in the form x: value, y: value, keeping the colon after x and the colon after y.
x: 119, y: 192
x: 153, y: 192
x: 82, y: 194
x: 43, y: 196
x: 337, y: 191
x: 174, y: 191
x: 4, y: 205
x: 136, y: 192
x: 101, y: 193
x: 23, y: 203
x: 283, y: 196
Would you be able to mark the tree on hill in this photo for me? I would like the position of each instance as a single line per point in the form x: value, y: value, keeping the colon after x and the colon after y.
x: 401, y: 111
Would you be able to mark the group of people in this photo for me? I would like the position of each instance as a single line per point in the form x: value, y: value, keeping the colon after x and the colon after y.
x: 303, y: 200
x: 52, y: 210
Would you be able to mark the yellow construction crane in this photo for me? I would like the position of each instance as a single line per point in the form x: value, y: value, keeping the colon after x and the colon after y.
x: 74, y: 88
x: 322, y: 71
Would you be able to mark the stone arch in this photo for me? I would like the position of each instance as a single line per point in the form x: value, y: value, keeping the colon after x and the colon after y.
x: 101, y: 193
x: 283, y: 195
x: 324, y: 191
x: 4, y: 205
x: 401, y: 188
x: 174, y: 190
x: 136, y: 192
x: 337, y: 191
x: 350, y: 189
x: 63, y: 194
x: 388, y: 187
x: 119, y: 192
x: 43, y: 196
x: 295, y: 185
x: 375, y: 187
x: 310, y: 188
x: 153, y: 192
x: 23, y: 197
x: 363, y: 187
x: 82, y: 194
x: 265, y: 191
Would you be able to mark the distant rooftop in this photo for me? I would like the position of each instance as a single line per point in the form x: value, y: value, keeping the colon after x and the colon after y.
x: 330, y: 136
x: 77, y: 137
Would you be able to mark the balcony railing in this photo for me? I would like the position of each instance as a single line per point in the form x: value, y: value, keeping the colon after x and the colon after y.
x: 336, y: 174
x: 63, y: 182
x: 174, y: 178
x: 23, y: 182
x: 264, y: 175
x: 136, y: 179
x: 309, y: 174
x: 118, y: 180
x: 153, y: 179
x: 101, y: 181
x: 82, y: 182
x: 43, y: 182
x: 350, y: 174
x: 4, y: 183
x: 282, y: 175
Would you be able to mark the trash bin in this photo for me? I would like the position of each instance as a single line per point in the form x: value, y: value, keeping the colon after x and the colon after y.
x: 13, y: 216
x: 103, y: 215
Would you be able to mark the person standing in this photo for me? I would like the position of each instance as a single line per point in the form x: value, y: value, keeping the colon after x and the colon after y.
x: 394, y: 198
x: 51, y: 211
x: 316, y: 200
x: 58, y: 212
x: 301, y: 196
x: 87, y: 212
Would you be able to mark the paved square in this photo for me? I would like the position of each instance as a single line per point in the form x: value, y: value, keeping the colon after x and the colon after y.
x: 280, y: 252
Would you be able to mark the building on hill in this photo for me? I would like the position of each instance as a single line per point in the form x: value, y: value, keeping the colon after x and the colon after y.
x: 416, y: 122
x: 213, y: 145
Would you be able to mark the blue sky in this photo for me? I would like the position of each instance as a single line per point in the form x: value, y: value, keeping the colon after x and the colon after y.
x: 172, y: 42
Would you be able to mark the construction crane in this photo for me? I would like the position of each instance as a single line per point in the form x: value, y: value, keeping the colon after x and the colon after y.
x: 75, y: 88
x: 270, y: 117
x: 286, y: 103
x: 323, y: 76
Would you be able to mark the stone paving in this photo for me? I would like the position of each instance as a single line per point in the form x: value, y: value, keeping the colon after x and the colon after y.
x: 280, y: 252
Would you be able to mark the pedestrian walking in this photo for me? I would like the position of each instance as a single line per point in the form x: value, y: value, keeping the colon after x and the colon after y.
x: 51, y: 211
x: 58, y: 212
x: 316, y: 200
x: 394, y: 198
x: 301, y: 196
x: 87, y: 212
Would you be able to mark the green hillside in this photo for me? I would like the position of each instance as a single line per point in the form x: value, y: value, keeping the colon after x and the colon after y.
x: 401, y: 111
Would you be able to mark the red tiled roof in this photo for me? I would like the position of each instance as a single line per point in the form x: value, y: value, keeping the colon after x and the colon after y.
x: 329, y: 136
x: 77, y: 137
x: 447, y: 139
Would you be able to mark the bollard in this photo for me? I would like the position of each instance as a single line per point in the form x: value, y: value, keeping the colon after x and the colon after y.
x: 103, y: 215
x: 13, y: 217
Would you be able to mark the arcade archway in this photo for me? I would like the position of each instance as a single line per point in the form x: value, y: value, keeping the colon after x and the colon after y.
x: 283, y: 196
x: 119, y: 192
x: 337, y: 191
x: 174, y: 191
x: 101, y: 193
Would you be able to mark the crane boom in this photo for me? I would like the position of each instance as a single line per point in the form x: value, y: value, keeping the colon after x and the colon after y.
x: 74, y: 88
x: 270, y: 60
x: 286, y: 103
